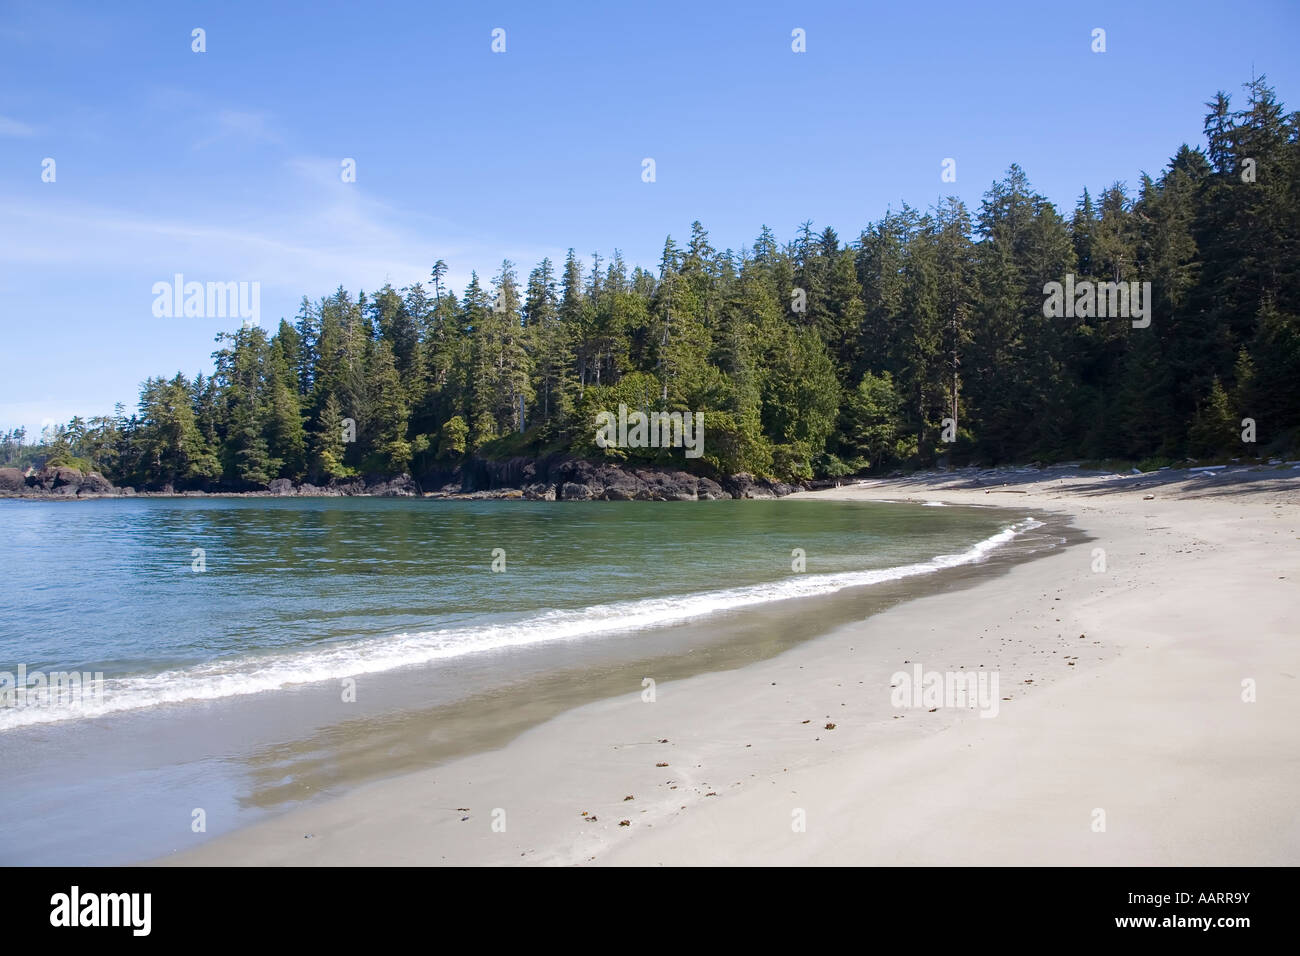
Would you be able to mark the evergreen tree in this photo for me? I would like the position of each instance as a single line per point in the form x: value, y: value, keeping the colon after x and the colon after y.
x: 811, y: 358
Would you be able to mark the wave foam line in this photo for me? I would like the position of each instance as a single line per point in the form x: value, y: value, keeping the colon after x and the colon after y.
x: 255, y: 675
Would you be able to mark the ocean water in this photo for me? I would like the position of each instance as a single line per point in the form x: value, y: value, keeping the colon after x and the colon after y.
x: 188, y: 600
x: 329, y: 642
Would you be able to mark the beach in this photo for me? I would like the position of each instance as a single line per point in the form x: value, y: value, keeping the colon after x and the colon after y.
x: 1147, y: 714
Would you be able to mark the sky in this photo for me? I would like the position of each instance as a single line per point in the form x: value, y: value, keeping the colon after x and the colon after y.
x: 226, y: 165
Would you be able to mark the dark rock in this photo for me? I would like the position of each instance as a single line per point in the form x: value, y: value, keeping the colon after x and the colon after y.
x: 351, y: 486
x: 477, y: 474
x: 743, y: 485
x: 281, y: 486
x: 670, y: 485
x: 617, y: 485
x: 747, y: 486
x: 575, y: 491
x: 655, y: 486
x: 95, y: 484
x: 710, y: 490
x: 12, y: 480
x: 557, y: 477
x: 51, y: 479
x: 403, y: 486
x: 64, y: 477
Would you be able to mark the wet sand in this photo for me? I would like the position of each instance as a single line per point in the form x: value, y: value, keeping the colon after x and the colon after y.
x: 125, y: 787
x: 1126, y: 739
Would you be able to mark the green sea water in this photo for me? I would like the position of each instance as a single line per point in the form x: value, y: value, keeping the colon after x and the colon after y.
x: 230, y: 632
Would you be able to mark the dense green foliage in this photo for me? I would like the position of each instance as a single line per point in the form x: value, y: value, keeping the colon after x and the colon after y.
x: 818, y: 357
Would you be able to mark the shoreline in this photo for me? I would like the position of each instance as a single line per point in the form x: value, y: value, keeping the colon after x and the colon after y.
x: 552, y: 477
x: 616, y: 482
x: 245, y: 758
x: 1147, y: 725
x: 699, y: 655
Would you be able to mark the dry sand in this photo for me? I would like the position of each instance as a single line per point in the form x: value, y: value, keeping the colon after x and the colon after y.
x: 1126, y: 690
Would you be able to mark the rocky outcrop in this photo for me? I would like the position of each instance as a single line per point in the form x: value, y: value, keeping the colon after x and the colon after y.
x: 376, y: 486
x: 574, y: 491
x: 52, y: 479
x: 12, y: 481
x: 709, y: 490
x: 58, y: 481
x: 403, y: 486
x: 550, y: 478
x: 540, y: 491
x: 96, y: 484
x: 747, y: 486
x: 558, y: 478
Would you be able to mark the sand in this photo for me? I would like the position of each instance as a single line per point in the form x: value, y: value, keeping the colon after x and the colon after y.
x: 1126, y: 739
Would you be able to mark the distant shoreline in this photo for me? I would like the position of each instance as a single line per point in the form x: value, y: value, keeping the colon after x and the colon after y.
x: 607, y: 482
x: 552, y: 478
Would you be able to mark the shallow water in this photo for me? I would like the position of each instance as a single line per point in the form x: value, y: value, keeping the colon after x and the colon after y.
x: 330, y: 641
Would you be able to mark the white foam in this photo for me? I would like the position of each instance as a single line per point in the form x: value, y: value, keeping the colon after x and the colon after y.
x: 254, y: 675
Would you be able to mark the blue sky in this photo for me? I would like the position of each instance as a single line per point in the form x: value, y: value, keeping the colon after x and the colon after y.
x: 224, y: 165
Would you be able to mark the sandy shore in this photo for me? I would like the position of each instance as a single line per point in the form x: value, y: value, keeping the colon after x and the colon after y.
x: 1125, y: 738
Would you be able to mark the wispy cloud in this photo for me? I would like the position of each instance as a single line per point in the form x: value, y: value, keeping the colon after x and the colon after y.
x: 81, y: 238
x: 13, y: 127
x: 247, y: 125
x: 319, y: 233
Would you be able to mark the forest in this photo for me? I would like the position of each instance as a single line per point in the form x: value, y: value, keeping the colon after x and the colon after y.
x: 816, y: 357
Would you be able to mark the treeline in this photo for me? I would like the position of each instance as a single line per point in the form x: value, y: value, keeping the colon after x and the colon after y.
x: 815, y: 357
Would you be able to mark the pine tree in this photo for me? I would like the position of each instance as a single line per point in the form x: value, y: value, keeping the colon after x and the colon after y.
x: 553, y: 365
x: 389, y: 421
x: 286, y: 441
x: 808, y: 358
x: 327, y: 442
